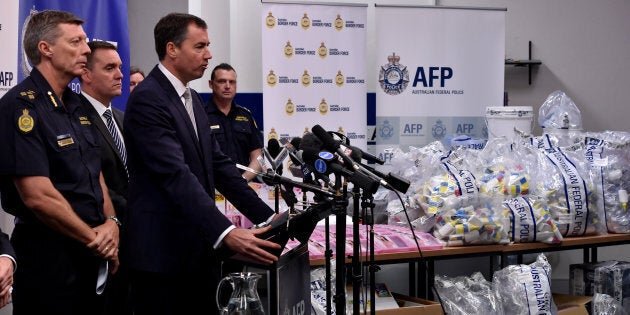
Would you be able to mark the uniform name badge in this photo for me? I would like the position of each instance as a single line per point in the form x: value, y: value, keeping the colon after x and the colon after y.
x: 64, y: 140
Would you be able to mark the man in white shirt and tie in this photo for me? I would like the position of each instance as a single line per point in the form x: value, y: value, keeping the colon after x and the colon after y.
x: 102, y: 82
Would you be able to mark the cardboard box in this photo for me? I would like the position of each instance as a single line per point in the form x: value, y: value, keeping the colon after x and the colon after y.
x: 571, y: 304
x: 413, y: 306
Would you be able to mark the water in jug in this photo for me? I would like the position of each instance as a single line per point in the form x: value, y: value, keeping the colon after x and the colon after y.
x: 244, y: 299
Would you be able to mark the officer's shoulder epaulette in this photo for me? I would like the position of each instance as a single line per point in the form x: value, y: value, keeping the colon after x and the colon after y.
x: 243, y: 108
x: 27, y: 94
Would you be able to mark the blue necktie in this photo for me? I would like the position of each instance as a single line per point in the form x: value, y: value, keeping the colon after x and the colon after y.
x: 117, y: 140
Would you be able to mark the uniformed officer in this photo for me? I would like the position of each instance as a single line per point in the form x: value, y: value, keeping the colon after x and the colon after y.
x: 234, y: 126
x: 51, y: 180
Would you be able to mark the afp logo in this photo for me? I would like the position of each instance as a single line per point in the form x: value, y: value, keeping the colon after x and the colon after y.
x: 6, y: 78
x: 393, y: 77
x: 386, y: 131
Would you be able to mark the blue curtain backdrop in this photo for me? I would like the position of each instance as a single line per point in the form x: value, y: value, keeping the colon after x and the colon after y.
x: 104, y: 20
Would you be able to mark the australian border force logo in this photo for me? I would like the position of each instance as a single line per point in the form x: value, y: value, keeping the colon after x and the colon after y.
x: 393, y: 77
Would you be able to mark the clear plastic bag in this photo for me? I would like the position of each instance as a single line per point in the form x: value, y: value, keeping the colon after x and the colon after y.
x: 604, y: 304
x: 608, y: 154
x: 563, y: 179
x: 525, y: 289
x: 559, y: 112
x: 467, y: 295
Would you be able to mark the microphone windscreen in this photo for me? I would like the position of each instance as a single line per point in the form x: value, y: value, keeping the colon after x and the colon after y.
x: 355, y: 154
x: 273, y: 146
x: 325, y: 138
x: 311, y: 142
x: 309, y: 155
x: 295, y: 142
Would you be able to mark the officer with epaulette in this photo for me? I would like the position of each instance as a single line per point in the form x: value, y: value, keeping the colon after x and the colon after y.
x: 51, y: 180
x: 233, y: 125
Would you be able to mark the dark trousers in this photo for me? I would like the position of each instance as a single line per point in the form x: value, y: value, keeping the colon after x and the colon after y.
x: 55, y: 274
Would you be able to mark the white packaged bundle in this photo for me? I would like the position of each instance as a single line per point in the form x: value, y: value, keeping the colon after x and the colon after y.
x: 525, y: 289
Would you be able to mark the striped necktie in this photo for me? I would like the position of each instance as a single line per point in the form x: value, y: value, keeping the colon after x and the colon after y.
x: 189, y: 108
x: 115, y: 136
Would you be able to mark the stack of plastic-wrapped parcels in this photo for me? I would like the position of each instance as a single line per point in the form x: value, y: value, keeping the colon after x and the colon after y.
x: 565, y: 183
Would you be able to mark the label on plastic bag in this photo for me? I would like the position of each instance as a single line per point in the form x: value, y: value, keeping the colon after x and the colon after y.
x: 536, y: 289
x: 465, y: 180
x: 575, y: 190
x: 523, y: 223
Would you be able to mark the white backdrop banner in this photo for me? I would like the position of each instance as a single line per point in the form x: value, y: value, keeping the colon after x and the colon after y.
x: 8, y: 38
x: 439, y: 67
x: 314, y: 59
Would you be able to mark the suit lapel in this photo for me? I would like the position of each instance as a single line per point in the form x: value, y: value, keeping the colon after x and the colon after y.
x: 178, y: 106
x: 100, y: 125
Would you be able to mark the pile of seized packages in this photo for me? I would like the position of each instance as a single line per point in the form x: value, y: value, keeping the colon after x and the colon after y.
x: 565, y: 183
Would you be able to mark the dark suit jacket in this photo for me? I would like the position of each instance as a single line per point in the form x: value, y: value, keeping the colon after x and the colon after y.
x: 111, y: 162
x: 173, y: 222
x: 5, y: 245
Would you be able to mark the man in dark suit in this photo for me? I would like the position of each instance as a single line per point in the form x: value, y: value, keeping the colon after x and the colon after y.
x: 174, y: 232
x: 100, y: 83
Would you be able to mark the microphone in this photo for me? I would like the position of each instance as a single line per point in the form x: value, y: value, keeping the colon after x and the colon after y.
x: 275, y: 155
x: 332, y: 145
x: 324, y: 163
x: 395, y: 181
x: 270, y: 178
x: 361, y: 154
x: 295, y: 142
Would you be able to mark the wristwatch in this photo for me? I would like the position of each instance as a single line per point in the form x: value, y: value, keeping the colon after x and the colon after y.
x: 115, y: 219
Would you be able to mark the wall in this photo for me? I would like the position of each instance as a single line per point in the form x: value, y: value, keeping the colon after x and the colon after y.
x: 582, y: 44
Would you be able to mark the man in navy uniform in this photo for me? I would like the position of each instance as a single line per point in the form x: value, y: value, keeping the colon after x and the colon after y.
x: 51, y: 180
x: 234, y: 126
x: 174, y: 232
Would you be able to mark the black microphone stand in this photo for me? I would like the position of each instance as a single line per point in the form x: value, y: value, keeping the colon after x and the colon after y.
x: 368, y: 219
x: 339, y: 206
x: 357, y: 275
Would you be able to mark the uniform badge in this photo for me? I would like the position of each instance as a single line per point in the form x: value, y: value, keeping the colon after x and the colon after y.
x: 30, y: 94
x: 52, y: 98
x: 241, y: 118
x: 84, y: 120
x: 212, y: 127
x: 64, y: 140
x: 26, y: 121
